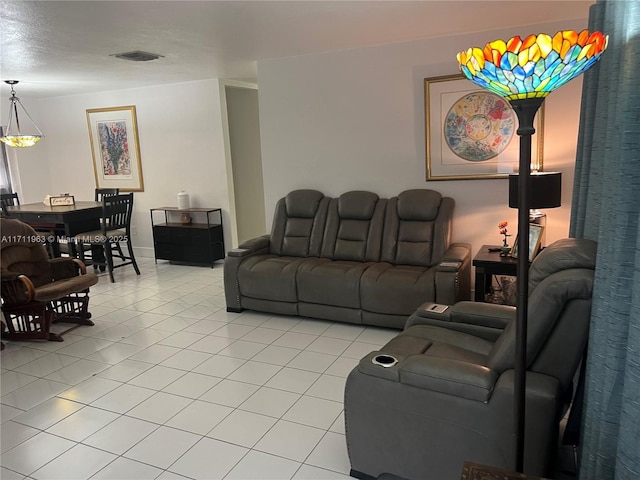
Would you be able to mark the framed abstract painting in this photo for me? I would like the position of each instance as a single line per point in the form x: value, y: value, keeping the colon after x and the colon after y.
x: 471, y: 133
x: 113, y: 133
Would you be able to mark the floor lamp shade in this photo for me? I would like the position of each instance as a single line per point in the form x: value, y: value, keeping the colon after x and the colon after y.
x: 544, y: 190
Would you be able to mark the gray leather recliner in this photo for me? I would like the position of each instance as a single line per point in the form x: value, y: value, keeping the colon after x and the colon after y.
x: 449, y: 397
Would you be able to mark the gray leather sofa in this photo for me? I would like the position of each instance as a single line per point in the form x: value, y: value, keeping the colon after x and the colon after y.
x: 357, y: 258
x: 449, y: 397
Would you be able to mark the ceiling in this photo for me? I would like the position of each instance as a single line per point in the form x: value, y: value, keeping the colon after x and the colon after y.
x: 64, y: 47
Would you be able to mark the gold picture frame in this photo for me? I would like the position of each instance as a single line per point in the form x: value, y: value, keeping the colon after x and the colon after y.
x: 113, y: 133
x: 535, y: 238
x: 470, y: 132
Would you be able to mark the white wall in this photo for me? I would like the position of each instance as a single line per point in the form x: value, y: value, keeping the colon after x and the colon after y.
x: 246, y: 161
x: 181, y: 147
x: 354, y: 120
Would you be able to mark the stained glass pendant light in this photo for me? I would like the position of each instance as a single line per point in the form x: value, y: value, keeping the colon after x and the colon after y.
x: 524, y: 72
x: 18, y: 134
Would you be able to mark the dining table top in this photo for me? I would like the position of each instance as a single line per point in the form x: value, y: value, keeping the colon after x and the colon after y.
x: 41, y: 207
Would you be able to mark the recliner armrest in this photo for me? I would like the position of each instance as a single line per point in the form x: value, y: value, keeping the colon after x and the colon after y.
x: 483, y: 314
x: 449, y: 376
x: 486, y: 320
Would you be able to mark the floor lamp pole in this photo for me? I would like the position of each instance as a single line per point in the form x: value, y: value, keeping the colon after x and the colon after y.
x: 526, y: 111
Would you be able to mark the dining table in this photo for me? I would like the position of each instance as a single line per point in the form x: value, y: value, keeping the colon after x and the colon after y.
x: 61, y: 220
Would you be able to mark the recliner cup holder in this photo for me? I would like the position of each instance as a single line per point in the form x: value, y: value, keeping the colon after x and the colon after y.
x: 385, y: 361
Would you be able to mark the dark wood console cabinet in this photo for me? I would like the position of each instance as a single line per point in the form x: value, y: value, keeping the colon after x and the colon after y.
x: 199, y: 242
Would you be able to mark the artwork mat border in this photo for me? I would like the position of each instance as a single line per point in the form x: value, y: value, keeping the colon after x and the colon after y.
x: 434, y: 167
x: 136, y: 184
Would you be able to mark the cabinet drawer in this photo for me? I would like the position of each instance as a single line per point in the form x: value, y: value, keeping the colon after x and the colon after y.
x: 162, y: 234
x: 189, y: 235
x: 168, y: 251
x: 197, y: 254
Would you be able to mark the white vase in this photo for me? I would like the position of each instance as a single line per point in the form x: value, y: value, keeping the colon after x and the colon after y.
x: 183, y: 200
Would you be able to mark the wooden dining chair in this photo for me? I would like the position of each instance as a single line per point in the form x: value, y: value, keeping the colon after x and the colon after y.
x: 8, y: 200
x: 115, y: 228
x: 99, y: 194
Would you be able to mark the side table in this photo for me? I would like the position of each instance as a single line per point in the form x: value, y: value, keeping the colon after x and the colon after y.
x: 488, y: 264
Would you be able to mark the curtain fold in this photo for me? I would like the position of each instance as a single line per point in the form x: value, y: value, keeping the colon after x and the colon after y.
x: 606, y: 208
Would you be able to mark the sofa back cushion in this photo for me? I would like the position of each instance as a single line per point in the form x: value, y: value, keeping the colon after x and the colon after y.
x: 354, y: 227
x: 298, y: 224
x: 417, y: 228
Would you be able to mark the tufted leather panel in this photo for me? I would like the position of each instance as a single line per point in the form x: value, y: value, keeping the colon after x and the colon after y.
x: 354, y: 227
x: 416, y: 228
x: 298, y: 224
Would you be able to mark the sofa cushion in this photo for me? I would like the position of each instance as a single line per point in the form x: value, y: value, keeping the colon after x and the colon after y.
x: 269, y: 277
x: 419, y: 205
x: 331, y: 282
x: 62, y: 288
x: 357, y: 205
x: 396, y: 289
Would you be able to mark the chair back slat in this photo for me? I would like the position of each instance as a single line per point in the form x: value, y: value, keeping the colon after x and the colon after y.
x: 100, y: 193
x: 116, y: 212
x: 8, y: 200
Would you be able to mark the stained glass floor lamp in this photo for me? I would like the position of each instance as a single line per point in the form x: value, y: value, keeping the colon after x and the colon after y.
x: 524, y: 72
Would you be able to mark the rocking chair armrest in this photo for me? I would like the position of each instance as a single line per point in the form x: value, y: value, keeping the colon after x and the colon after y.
x: 17, y: 289
x: 65, y: 267
x: 81, y: 266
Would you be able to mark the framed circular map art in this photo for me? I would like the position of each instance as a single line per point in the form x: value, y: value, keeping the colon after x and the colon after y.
x: 471, y: 133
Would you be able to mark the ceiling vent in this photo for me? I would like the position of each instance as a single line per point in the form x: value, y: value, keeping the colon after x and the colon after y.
x: 137, y: 56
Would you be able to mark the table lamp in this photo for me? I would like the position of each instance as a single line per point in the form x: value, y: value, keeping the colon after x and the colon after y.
x: 545, y: 191
x: 524, y: 72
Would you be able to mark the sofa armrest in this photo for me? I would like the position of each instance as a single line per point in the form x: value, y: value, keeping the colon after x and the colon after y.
x: 255, y: 244
x: 251, y: 247
x: 486, y: 320
x: 235, y: 257
x: 456, y: 253
x: 453, y: 275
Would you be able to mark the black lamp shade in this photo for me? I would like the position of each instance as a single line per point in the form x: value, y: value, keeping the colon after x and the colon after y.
x: 545, y: 190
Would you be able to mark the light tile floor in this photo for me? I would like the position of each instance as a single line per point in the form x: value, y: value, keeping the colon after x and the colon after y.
x: 168, y: 385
